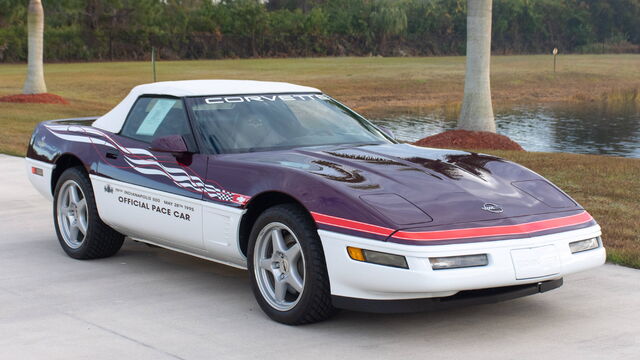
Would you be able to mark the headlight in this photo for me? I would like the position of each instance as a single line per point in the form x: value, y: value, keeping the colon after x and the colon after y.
x: 376, y: 257
x: 545, y: 192
x: 455, y: 262
x: 584, y: 245
x: 396, y: 208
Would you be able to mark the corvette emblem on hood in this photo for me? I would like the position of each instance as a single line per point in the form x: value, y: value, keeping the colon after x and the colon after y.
x: 492, y: 208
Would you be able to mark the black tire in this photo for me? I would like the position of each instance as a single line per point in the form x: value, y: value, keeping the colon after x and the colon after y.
x: 100, y: 240
x: 314, y: 302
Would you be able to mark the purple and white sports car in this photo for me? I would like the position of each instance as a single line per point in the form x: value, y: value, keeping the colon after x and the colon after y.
x: 323, y: 208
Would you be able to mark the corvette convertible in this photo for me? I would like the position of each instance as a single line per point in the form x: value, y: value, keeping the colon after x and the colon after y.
x: 324, y: 209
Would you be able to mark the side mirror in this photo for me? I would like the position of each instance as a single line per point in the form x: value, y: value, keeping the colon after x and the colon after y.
x: 172, y: 144
x: 387, y: 131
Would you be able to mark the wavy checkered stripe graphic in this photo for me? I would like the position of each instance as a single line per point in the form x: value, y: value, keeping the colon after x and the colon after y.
x: 144, y: 162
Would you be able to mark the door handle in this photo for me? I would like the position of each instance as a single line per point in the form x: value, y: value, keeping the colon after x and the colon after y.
x: 112, y: 154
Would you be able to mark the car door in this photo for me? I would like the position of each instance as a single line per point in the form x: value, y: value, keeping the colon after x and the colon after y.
x: 223, y: 209
x: 153, y: 195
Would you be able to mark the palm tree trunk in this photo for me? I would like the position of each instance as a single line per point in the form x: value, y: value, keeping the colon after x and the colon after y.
x: 477, y: 111
x: 34, y: 84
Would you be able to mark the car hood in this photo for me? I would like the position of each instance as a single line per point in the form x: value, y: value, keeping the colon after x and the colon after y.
x: 446, y: 186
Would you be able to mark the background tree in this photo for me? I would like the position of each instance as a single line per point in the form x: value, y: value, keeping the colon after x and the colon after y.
x: 248, y: 20
x: 35, y: 72
x: 94, y: 30
x: 477, y: 111
x: 387, y: 20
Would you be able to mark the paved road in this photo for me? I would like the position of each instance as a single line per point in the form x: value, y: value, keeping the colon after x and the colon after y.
x: 148, y: 303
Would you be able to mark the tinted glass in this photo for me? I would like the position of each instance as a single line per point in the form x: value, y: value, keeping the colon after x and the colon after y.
x: 152, y: 117
x: 232, y: 124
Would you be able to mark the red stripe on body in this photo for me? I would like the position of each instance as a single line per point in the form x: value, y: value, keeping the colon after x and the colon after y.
x: 502, y: 230
x: 439, y: 235
x: 351, y: 224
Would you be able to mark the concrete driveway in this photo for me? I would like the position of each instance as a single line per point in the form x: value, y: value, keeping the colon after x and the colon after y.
x: 148, y: 303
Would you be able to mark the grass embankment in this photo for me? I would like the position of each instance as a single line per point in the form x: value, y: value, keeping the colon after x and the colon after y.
x: 377, y: 87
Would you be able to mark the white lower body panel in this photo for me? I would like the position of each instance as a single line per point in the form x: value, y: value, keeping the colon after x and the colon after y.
x: 511, y: 262
x: 42, y: 179
x: 184, y: 224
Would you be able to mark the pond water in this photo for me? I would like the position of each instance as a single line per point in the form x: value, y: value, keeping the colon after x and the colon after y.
x: 584, y: 129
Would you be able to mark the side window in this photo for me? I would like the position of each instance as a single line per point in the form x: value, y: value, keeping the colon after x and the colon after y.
x: 153, y: 117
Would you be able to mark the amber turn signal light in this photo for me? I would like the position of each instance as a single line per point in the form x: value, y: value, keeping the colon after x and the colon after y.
x: 376, y: 257
x: 355, y: 253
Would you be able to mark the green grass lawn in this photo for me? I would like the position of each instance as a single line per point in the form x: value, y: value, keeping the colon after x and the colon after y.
x: 608, y: 187
x: 374, y: 86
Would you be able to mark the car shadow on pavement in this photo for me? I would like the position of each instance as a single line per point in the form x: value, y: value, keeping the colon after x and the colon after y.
x: 210, y: 279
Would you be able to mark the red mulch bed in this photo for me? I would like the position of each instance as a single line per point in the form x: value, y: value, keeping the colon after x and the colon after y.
x: 463, y: 139
x: 44, y: 98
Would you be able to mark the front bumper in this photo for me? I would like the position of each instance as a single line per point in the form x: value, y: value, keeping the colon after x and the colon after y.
x: 352, y: 280
x: 463, y: 298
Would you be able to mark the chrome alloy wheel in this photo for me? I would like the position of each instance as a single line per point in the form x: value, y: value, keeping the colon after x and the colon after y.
x: 279, y: 266
x: 72, y: 214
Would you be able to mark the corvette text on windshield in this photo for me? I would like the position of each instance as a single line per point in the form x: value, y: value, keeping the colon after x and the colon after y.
x: 239, y: 99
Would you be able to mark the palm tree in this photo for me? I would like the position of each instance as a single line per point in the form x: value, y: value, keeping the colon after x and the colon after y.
x: 35, y: 73
x: 477, y: 111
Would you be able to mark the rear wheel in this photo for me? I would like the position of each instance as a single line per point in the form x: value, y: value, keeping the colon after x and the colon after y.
x: 288, y: 271
x: 81, y: 232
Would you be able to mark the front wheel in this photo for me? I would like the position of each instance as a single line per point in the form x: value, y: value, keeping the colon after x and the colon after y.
x: 288, y: 271
x: 81, y: 232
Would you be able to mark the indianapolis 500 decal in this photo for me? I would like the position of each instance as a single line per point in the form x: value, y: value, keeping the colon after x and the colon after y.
x: 146, y: 163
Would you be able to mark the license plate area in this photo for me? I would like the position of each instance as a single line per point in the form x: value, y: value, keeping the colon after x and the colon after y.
x: 535, y: 262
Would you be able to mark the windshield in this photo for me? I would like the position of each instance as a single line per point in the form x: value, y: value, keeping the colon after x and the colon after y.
x: 245, y: 123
